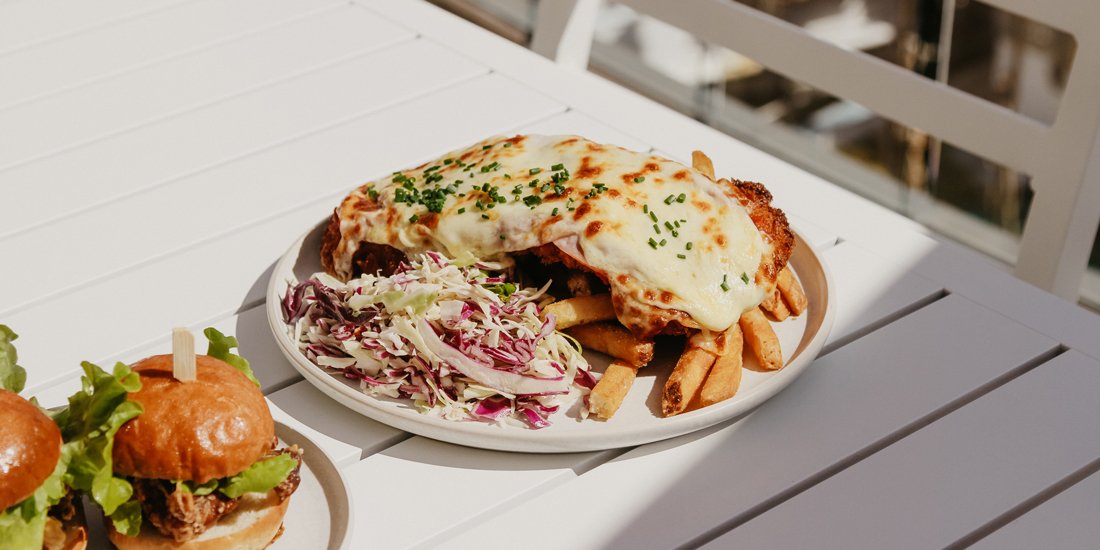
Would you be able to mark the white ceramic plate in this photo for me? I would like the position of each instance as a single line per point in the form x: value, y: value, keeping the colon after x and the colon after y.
x: 320, y: 510
x: 638, y: 419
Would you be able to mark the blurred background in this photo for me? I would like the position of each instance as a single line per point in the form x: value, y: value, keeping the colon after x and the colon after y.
x: 1014, y: 62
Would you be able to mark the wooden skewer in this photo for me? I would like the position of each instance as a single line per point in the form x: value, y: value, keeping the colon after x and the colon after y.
x: 183, y: 355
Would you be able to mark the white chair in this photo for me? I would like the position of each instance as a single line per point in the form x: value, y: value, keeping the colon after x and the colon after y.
x: 1063, y: 158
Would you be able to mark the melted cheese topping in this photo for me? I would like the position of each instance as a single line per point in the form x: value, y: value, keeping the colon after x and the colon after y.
x: 663, y: 234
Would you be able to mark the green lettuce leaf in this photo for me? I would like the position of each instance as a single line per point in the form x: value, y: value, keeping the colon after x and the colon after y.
x: 21, y: 525
x: 219, y: 347
x: 261, y: 477
x: 126, y: 519
x: 88, y: 426
x: 12, y: 376
x: 198, y: 490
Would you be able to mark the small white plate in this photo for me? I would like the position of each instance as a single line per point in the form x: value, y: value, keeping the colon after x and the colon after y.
x: 320, y: 509
x: 637, y: 421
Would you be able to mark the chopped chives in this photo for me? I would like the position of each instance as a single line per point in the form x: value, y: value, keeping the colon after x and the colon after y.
x: 681, y: 256
x: 558, y: 166
x: 639, y: 179
x: 486, y: 147
x: 448, y: 161
x: 668, y: 226
x: 681, y: 198
x: 656, y: 229
x: 675, y: 233
x: 507, y: 144
x: 554, y: 212
x: 725, y: 286
x: 663, y: 242
x: 534, y: 171
x: 652, y: 243
x: 645, y: 209
x: 502, y: 237
x: 745, y: 277
x: 688, y: 245
x: 462, y: 210
x: 653, y: 217
x: 484, y: 216
x: 413, y: 218
x: 677, y: 223
x: 668, y: 199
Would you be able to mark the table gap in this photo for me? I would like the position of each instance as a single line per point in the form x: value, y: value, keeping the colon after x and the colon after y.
x: 1026, y: 506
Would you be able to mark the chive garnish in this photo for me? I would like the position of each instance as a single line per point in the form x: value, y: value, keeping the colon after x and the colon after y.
x: 688, y: 246
x: 534, y: 171
x: 725, y: 286
x: 669, y: 199
x: 462, y: 210
x: 681, y: 198
x: 413, y: 218
x: 639, y: 179
x: 653, y: 217
x: 558, y: 166
x: 681, y: 256
x: 656, y: 229
x: 745, y: 277
x: 653, y: 243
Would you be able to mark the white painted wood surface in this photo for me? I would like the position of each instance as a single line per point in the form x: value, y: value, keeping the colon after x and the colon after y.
x: 170, y: 211
x: 79, y: 59
x: 973, y: 465
x: 1067, y: 521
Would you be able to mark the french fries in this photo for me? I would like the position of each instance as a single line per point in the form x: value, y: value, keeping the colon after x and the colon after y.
x: 701, y: 162
x: 614, y: 340
x: 581, y: 310
x: 609, y: 392
x: 761, y: 339
x: 725, y: 376
x: 774, y: 304
x: 688, y: 376
x: 792, y: 291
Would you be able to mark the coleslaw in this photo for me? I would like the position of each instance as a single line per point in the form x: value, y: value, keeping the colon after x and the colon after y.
x: 452, y: 337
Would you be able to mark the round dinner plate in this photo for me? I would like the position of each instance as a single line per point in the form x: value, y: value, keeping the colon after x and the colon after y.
x: 638, y: 419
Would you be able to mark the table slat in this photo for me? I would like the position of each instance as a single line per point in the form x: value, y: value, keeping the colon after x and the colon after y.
x: 345, y: 435
x: 201, y: 140
x: 871, y: 291
x: 668, y: 493
x: 421, y: 491
x: 1066, y: 521
x: 950, y: 478
x: 27, y: 22
x: 79, y: 116
x: 189, y: 27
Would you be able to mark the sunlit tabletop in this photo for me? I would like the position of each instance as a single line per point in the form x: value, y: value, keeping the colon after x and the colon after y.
x: 158, y: 156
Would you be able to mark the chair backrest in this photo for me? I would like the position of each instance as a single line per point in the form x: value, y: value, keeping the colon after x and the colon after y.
x: 1062, y: 158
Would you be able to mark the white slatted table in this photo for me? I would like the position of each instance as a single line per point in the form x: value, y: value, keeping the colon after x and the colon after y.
x: 157, y: 157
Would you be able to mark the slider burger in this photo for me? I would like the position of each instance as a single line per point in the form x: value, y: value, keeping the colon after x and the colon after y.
x: 202, y: 458
x: 677, y: 250
x: 36, y: 508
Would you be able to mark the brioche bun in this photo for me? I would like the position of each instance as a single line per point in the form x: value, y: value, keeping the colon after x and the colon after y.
x: 253, y: 525
x: 213, y: 427
x: 30, y: 445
